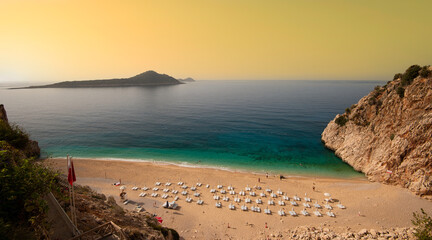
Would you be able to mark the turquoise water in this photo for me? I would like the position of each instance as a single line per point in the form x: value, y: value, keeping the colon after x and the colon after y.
x: 260, y: 126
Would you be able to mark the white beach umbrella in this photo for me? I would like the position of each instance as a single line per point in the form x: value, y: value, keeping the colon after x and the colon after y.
x: 122, y: 187
x: 327, y: 194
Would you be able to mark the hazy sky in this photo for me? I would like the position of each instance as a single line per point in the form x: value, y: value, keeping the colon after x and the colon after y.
x: 58, y: 40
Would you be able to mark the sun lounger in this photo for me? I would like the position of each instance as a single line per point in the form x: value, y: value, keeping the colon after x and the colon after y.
x: 168, y: 184
x: 268, y: 190
x: 155, y: 189
x: 270, y: 202
x: 172, y: 205
x: 166, y: 190
x: 184, y: 187
x: 219, y: 186
x: 258, y: 201
x: 247, y: 188
x: 304, y: 212
x: 222, y: 191
x: 231, y: 206
x: 294, y: 203
x: 180, y: 183
x: 193, y: 188
x: 208, y: 185
x: 248, y: 200
x: 281, y: 203
x: 145, y: 188
x: 176, y: 198
x: 257, y: 209
x: 157, y: 183
x: 237, y: 200
x: 184, y: 192
x: 197, y: 194
x: 279, y: 192
x: 126, y: 202
x: 200, y: 202
x: 281, y: 212
x: 293, y: 213
x: 286, y: 198
x: 317, y: 213
x: 330, y: 214
x: 267, y: 211
x: 328, y: 207
x: 242, y: 193
x: 165, y: 196
x: 262, y: 194
x: 296, y: 198
x: 244, y: 208
x: 199, y: 184
x: 341, y: 206
x: 134, y: 188
x: 273, y: 195
x: 230, y: 187
x: 306, y: 205
x: 216, y: 197
x: 317, y: 205
x: 252, y: 194
x: 218, y: 204
x: 188, y: 199
x: 226, y: 199
x: 232, y: 192
x: 212, y: 190
x: 307, y: 199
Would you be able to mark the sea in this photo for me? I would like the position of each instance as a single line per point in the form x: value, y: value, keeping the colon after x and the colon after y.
x: 255, y: 126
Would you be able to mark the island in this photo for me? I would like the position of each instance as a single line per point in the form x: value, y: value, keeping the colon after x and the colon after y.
x: 149, y: 78
x: 189, y: 79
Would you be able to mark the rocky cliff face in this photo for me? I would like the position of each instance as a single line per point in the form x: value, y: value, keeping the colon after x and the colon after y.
x: 388, y: 135
x: 3, y: 115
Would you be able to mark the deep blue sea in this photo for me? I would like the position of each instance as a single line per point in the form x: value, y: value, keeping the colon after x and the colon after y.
x: 259, y: 126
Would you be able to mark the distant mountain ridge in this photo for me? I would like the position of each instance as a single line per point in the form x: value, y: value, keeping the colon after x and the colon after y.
x: 189, y: 79
x: 149, y: 78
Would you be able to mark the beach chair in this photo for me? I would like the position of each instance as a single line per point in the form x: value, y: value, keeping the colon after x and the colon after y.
x: 307, y: 199
x: 226, y: 199
x: 252, y: 194
x: 157, y: 183
x: 180, y: 183
x: 257, y: 209
x: 237, y: 200
x: 232, y: 192
x: 176, y: 198
x: 304, y: 212
x: 267, y: 211
x: 193, y: 188
x: 200, y: 202
x: 279, y: 192
x: 199, y: 184
x: 294, y: 203
x: 145, y: 188
x: 317, y: 205
x: 306, y: 205
x: 197, y: 194
x: 155, y: 189
x: 222, y: 191
x: 166, y: 190
x: 253, y: 208
x: 296, y: 198
x: 268, y: 190
x: 317, y: 213
x: 231, y: 206
x: 212, y: 190
x: 242, y: 193
x: 184, y: 186
x: 218, y: 204
x: 247, y: 188
x: 165, y: 196
x: 134, y: 188
x: 270, y: 202
x: 262, y: 194
x: 208, y: 185
x: 258, y: 201
x: 281, y: 212
x: 216, y: 197
x: 244, y: 208
x: 286, y: 198
x: 184, y: 192
x: 331, y: 214
x: 327, y: 206
x: 172, y: 205
x: 219, y: 186
x: 341, y: 206
x: 189, y: 200
x: 293, y: 213
x: 168, y: 184
x: 281, y: 203
x: 248, y: 200
x: 230, y: 188
x: 273, y: 195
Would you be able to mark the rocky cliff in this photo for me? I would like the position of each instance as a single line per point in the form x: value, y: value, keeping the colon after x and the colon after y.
x: 388, y: 134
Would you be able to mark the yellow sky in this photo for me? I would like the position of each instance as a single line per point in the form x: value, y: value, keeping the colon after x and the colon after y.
x: 58, y: 40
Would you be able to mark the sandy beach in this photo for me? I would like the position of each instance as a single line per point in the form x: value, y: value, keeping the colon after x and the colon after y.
x: 368, y: 205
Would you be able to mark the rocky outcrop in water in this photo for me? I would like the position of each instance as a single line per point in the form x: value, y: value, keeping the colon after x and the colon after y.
x: 388, y: 134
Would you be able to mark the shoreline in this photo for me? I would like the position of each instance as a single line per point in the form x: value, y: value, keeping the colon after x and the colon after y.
x: 222, y: 168
x: 369, y: 205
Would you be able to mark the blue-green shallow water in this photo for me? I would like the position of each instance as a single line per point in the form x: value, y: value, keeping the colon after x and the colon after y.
x: 258, y: 126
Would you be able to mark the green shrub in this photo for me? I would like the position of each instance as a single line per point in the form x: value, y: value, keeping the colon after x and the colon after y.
x: 372, y: 100
x: 397, y: 76
x: 425, y: 72
x: 400, y: 91
x: 341, y: 120
x: 392, y: 136
x: 348, y: 111
x: 13, y: 134
x: 423, y: 224
x: 409, y: 75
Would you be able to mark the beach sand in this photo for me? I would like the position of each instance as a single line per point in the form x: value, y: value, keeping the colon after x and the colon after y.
x: 368, y: 205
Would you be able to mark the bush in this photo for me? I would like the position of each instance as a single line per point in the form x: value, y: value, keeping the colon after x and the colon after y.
x: 14, y: 135
x: 423, y: 224
x: 397, y: 76
x: 409, y: 75
x: 400, y: 91
x: 425, y: 72
x: 348, y: 111
x: 372, y: 100
x: 341, y: 120
x: 392, y: 136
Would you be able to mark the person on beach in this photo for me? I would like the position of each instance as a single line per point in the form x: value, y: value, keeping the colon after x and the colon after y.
x: 259, y: 180
x: 122, y: 194
x: 266, y: 175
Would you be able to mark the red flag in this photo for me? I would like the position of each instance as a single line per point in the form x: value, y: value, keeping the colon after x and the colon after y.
x: 71, y: 172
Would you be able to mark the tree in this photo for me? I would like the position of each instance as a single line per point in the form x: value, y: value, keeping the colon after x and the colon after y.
x: 409, y: 75
x: 425, y: 72
x: 341, y: 120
